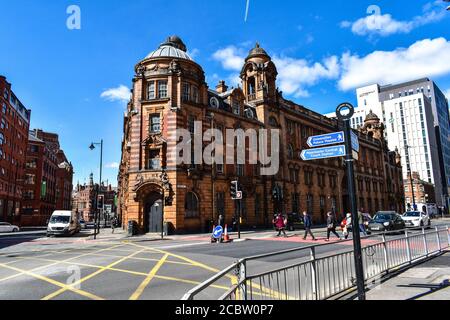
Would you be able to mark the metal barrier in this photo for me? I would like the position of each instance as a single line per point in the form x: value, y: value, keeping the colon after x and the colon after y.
x: 315, y: 277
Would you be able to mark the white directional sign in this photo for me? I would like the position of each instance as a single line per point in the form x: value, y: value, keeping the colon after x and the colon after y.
x: 326, y: 139
x: 238, y: 195
x: 324, y: 153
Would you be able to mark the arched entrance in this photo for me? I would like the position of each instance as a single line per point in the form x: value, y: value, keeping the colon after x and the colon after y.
x: 153, y: 212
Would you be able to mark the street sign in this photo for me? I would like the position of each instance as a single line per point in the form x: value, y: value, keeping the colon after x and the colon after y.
x: 326, y: 139
x: 238, y: 195
x: 355, y: 142
x: 218, y: 231
x: 324, y: 153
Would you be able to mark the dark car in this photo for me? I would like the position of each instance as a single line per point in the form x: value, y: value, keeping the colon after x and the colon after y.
x: 295, y: 222
x: 387, y: 221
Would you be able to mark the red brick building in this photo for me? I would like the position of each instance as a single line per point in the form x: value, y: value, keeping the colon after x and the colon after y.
x: 424, y: 192
x: 48, y: 179
x: 84, y: 199
x: 14, y: 126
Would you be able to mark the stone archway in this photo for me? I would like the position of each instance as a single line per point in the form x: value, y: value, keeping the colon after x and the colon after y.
x: 151, y: 207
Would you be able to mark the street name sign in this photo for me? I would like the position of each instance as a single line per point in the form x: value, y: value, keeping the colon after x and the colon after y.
x: 355, y: 142
x: 324, y: 153
x: 326, y: 139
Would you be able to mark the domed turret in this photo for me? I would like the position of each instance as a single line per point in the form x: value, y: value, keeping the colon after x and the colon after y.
x: 258, y: 52
x: 173, y: 47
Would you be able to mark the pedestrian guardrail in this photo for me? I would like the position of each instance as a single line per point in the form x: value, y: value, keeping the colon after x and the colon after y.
x: 315, y: 276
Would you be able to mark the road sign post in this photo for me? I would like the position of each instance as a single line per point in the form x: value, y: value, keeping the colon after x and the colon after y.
x: 324, y: 153
x: 359, y: 268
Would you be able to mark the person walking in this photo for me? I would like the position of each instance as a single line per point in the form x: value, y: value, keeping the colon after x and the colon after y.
x: 308, y: 226
x: 221, y: 221
x: 280, y: 225
x: 331, y: 226
x: 113, y: 224
x: 346, y: 225
x: 362, y: 227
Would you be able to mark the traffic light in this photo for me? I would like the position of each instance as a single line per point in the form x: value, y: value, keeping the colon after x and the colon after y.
x: 234, y: 189
x: 100, y: 202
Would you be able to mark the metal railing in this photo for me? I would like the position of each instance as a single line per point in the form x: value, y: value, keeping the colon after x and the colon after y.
x: 313, y: 276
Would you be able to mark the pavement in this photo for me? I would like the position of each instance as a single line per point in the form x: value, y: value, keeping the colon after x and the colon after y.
x: 427, y: 281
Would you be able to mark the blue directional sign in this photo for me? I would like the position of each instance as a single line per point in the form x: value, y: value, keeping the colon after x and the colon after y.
x: 326, y: 139
x: 355, y: 142
x: 324, y: 153
x: 218, y: 231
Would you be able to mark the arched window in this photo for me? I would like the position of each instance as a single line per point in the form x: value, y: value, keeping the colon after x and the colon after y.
x: 191, y: 205
x: 273, y: 122
x: 290, y: 152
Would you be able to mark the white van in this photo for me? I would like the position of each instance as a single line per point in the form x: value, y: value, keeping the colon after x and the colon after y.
x: 63, y: 223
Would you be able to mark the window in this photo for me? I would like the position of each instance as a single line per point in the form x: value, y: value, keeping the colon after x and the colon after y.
x: 151, y: 91
x: 2, y: 139
x: 273, y: 122
x: 191, y: 124
x: 155, y: 123
x: 295, y: 202
x: 31, y: 164
x: 154, y: 160
x: 290, y: 152
x: 30, y: 179
x: 258, y: 202
x: 3, y: 123
x: 219, y: 168
x: 5, y: 108
x: 191, y: 205
x: 186, y: 95
x: 236, y: 108
x: 309, y: 203
x: 194, y: 94
x: 240, y: 170
x: 162, y: 89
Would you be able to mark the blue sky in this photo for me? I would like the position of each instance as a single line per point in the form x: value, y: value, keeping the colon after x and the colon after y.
x: 323, y: 50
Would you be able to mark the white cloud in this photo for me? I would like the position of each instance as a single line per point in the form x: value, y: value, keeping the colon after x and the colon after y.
x: 113, y: 165
x: 385, y: 25
x: 231, y: 58
x: 425, y: 58
x: 121, y: 93
x: 295, y: 75
x: 194, y: 53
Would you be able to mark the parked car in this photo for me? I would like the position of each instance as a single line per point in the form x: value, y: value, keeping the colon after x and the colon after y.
x: 295, y: 222
x: 416, y: 219
x: 6, y: 227
x: 386, y: 221
x: 83, y: 225
x: 63, y: 223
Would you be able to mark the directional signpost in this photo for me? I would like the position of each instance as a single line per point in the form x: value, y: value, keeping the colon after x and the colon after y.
x: 326, y: 139
x: 323, y: 153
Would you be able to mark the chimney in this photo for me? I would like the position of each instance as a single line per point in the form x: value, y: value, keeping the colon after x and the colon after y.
x: 221, y: 87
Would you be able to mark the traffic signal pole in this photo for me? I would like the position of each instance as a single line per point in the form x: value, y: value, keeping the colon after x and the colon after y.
x: 359, y: 267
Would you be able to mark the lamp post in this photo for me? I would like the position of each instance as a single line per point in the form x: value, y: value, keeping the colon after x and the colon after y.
x: 92, y: 147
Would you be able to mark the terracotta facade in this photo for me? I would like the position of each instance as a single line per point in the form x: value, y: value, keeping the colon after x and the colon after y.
x: 170, y: 92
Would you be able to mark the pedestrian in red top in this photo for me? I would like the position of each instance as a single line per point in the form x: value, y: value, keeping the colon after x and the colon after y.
x: 280, y: 225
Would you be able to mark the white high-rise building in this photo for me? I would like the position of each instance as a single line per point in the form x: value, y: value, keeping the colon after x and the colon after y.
x: 417, y: 123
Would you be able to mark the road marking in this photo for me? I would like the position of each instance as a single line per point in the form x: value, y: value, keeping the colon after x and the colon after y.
x: 54, y: 282
x: 54, y: 264
x: 234, y: 279
x: 146, y: 282
x: 101, y: 270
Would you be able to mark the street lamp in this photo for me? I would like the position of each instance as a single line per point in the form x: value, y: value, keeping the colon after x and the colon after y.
x: 448, y: 8
x: 92, y: 147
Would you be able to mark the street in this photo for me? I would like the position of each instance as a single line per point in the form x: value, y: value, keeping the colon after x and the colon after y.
x: 117, y: 268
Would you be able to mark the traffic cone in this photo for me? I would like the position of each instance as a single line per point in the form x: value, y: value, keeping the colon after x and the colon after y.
x: 226, y: 237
